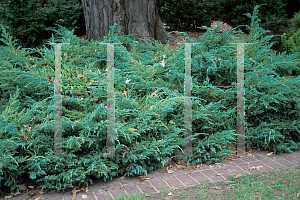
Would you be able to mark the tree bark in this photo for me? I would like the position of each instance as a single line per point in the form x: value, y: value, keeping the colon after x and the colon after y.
x: 134, y: 16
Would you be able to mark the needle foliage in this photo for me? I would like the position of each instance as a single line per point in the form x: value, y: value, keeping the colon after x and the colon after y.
x: 149, y: 117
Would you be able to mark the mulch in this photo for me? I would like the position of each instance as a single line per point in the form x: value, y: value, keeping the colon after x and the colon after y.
x: 192, y: 35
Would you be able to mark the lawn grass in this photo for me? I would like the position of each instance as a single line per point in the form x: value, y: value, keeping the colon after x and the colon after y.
x: 278, y: 184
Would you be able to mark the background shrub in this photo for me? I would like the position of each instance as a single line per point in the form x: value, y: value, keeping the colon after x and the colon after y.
x: 277, y: 26
x: 234, y: 10
x: 293, y: 6
x: 291, y: 38
x: 295, y: 22
x: 292, y: 44
x: 30, y: 21
x: 188, y: 14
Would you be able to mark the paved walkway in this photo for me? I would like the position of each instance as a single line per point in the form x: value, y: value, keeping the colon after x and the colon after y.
x: 175, y: 175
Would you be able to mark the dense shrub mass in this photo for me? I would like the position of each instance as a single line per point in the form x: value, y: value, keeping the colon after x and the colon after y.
x: 292, y: 45
x: 31, y: 21
x: 291, y: 38
x: 188, y: 14
x: 233, y: 11
x: 180, y: 14
x: 295, y: 22
x: 149, y: 117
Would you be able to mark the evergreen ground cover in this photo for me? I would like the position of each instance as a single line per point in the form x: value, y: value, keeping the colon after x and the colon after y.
x: 148, y: 108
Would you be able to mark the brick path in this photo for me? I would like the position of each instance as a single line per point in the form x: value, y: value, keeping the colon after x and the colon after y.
x: 158, y: 180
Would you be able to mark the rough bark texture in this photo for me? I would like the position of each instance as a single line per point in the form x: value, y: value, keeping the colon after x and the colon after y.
x: 134, y: 16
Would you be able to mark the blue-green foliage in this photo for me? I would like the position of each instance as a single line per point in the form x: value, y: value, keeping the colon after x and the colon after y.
x: 149, y: 117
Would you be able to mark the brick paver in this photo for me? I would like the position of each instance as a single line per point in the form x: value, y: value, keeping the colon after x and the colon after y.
x: 158, y: 180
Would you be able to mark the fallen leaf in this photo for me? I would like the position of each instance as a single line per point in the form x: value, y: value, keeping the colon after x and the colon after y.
x: 248, y: 168
x: 238, y: 175
x: 149, y: 186
x: 28, y: 128
x: 81, y: 138
x: 85, y: 190
x: 227, y: 158
x: 268, y: 154
x: 106, y: 189
x: 174, y: 188
x: 125, y: 93
x: 31, y: 194
x: 284, y: 181
x: 170, y: 194
x: 142, y: 178
x: 74, y: 191
x: 79, y: 76
x: 154, y: 93
x: 258, y: 167
x: 122, y: 188
x: 24, y: 136
x: 180, y: 166
x: 132, y: 129
x: 219, y: 174
x: 171, y: 122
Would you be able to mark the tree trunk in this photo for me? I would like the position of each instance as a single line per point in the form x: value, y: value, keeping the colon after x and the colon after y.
x: 134, y: 16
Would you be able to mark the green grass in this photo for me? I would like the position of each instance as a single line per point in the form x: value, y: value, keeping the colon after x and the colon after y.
x: 278, y: 184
